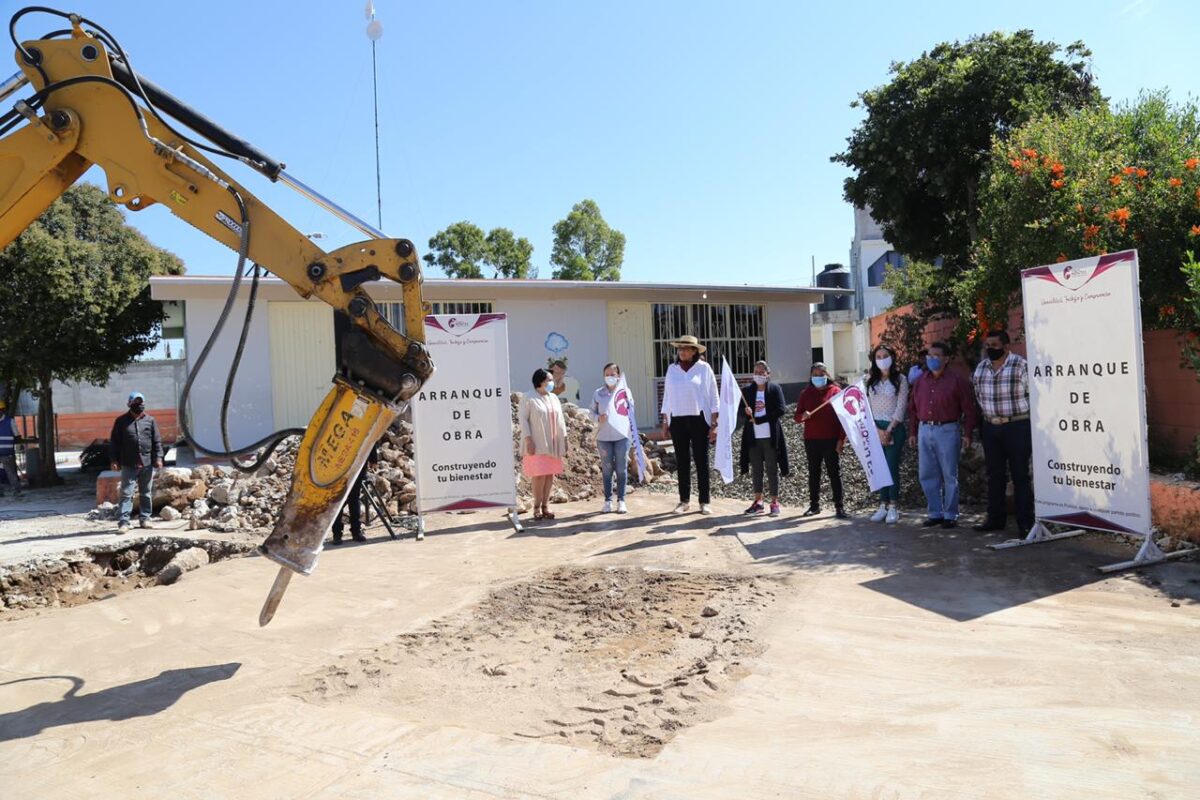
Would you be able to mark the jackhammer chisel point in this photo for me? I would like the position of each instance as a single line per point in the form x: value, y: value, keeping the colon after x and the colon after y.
x: 274, y: 596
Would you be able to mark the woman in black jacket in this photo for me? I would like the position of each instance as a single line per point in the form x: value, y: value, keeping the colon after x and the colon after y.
x: 763, y: 445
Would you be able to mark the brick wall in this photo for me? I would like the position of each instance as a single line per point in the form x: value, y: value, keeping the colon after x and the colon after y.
x: 76, y: 431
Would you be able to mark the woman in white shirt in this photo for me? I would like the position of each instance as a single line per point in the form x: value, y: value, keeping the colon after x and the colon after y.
x: 544, y: 439
x: 611, y: 441
x: 887, y: 392
x: 689, y: 411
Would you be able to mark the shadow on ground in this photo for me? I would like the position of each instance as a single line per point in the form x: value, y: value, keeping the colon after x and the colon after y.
x: 954, y: 573
x: 142, y: 698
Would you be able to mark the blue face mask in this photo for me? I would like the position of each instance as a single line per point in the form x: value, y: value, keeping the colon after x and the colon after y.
x: 819, y: 381
x: 933, y: 362
x: 549, y: 386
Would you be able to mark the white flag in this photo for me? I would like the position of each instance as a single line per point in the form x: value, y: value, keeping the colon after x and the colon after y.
x: 854, y: 412
x: 618, y: 407
x: 727, y: 421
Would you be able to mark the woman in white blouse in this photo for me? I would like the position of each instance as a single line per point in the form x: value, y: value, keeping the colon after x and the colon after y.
x: 887, y: 392
x: 689, y: 411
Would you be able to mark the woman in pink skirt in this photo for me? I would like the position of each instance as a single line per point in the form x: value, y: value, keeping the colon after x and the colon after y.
x: 544, y: 440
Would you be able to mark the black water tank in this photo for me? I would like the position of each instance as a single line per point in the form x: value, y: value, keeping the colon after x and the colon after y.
x: 834, y: 276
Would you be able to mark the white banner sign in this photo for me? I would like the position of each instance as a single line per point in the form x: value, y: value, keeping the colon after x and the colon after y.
x: 462, y: 417
x: 854, y: 412
x: 1083, y: 325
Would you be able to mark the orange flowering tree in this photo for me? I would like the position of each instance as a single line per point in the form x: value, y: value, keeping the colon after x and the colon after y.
x: 1094, y: 181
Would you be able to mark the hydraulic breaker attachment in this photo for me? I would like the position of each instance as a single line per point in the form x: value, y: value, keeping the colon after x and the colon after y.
x: 335, y: 447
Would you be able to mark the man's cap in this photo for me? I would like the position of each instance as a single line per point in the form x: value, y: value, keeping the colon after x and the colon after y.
x: 134, y: 397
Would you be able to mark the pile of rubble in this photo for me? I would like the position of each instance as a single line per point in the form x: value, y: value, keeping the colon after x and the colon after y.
x: 221, y: 499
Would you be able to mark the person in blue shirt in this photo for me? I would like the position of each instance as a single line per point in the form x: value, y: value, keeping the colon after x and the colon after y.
x: 8, y: 450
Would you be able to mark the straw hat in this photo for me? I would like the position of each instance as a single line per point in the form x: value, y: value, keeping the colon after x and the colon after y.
x: 688, y: 341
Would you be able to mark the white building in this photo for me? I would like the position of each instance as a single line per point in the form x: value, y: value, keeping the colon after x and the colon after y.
x: 840, y: 330
x: 289, y: 357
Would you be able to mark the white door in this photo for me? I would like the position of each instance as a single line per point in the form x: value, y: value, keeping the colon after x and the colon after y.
x: 302, y: 359
x: 630, y: 345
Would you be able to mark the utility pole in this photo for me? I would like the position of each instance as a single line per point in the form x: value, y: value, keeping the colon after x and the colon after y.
x: 375, y: 33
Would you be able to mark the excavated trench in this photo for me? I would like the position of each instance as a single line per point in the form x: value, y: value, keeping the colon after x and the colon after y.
x: 104, y: 571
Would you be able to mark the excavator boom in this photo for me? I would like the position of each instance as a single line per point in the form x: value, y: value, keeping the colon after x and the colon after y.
x: 89, y: 107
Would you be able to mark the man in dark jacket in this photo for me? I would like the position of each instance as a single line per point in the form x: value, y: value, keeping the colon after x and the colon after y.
x: 763, y: 445
x: 136, y: 451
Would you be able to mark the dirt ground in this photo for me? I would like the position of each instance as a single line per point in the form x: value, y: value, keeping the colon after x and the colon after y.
x: 636, y: 656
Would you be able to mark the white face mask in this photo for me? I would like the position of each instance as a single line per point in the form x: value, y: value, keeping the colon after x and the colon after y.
x: 884, y: 363
x: 611, y: 380
x: 761, y: 380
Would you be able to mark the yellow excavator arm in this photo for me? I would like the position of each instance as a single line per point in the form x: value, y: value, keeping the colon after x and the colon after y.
x: 89, y: 107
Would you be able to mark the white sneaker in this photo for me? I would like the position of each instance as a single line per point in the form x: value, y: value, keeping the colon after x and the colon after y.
x: 123, y: 528
x: 893, y: 515
x: 879, y: 515
x: 607, y: 507
x: 706, y: 509
x: 621, y: 509
x: 682, y: 508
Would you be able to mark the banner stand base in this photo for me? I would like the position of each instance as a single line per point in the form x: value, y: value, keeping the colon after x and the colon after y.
x: 1148, y: 553
x: 1037, y: 534
x: 514, y: 517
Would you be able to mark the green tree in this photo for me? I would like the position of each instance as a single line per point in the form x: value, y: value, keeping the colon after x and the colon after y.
x: 462, y: 251
x: 1095, y: 181
x: 508, y: 255
x: 76, y: 302
x: 585, y: 247
x: 459, y: 251
x: 920, y: 155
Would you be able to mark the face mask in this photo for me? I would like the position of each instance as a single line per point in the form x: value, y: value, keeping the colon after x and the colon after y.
x: 819, y: 381
x: 761, y: 380
x: 995, y: 353
x: 933, y: 362
x: 137, y: 408
x: 884, y: 363
x: 611, y: 380
x: 549, y: 386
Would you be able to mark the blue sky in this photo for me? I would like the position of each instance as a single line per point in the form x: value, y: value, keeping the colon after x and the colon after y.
x: 702, y: 129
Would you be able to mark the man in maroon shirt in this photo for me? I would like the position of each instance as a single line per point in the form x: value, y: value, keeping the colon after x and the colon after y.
x: 941, y: 411
x: 823, y: 438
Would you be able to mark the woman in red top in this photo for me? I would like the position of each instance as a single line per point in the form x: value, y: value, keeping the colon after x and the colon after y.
x: 823, y: 438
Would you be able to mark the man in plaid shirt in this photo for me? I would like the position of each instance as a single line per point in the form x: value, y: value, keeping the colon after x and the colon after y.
x: 1002, y: 387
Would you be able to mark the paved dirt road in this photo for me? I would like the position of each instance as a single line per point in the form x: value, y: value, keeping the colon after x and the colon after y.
x: 875, y: 663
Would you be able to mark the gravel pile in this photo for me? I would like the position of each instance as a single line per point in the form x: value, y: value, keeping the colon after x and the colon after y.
x: 793, y: 490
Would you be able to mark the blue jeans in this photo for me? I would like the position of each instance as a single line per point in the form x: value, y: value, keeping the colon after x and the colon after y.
x: 938, y: 447
x: 614, y: 457
x: 143, y: 478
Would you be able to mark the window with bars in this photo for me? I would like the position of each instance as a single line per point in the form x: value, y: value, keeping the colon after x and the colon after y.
x: 736, y: 331
x: 394, y: 312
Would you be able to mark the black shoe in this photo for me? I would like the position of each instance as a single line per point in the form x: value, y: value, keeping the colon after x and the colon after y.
x: 358, y: 536
x: 337, y: 539
x: 931, y: 522
x: 841, y: 514
x: 812, y: 511
x: 987, y: 526
x: 949, y: 523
